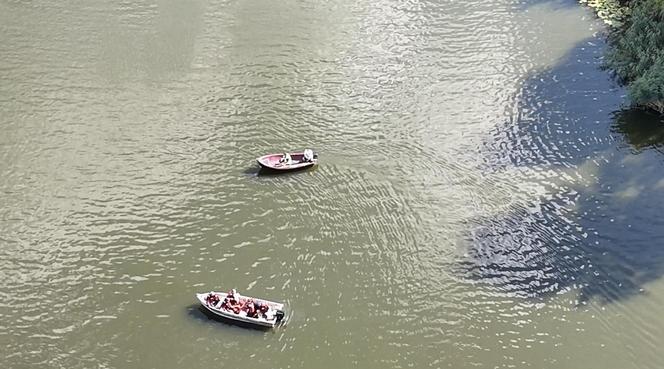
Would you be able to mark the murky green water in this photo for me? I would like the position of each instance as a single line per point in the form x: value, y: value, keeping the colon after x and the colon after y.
x: 481, y: 200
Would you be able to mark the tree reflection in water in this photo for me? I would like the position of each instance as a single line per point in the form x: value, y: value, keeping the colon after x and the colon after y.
x: 596, y: 228
x: 641, y: 129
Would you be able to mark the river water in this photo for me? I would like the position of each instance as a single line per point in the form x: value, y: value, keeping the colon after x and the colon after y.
x: 481, y: 200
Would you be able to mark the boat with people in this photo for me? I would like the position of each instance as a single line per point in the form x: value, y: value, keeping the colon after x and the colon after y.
x: 288, y: 161
x: 232, y: 305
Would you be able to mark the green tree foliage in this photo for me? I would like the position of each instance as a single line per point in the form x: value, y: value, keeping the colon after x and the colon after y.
x: 612, y: 12
x: 636, y: 54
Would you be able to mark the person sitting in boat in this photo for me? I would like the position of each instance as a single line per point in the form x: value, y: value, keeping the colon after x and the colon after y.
x: 270, y: 314
x: 212, y: 299
x: 233, y: 296
x: 285, y: 159
x: 262, y: 309
x: 257, y: 307
x: 232, y: 301
x: 228, y: 303
x: 234, y: 305
x: 250, y: 309
x: 308, y: 155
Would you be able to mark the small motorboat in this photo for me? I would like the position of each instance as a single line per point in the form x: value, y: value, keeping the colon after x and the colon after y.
x: 288, y: 161
x: 244, y: 309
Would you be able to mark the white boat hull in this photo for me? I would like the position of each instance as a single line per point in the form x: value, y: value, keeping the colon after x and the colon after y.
x: 241, y: 317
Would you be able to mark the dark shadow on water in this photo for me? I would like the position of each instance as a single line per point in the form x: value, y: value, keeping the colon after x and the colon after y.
x: 263, y: 172
x: 596, y: 228
x: 641, y: 129
x: 252, y: 171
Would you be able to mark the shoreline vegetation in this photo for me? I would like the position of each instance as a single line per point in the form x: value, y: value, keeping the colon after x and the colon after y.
x: 612, y: 12
x: 635, y: 55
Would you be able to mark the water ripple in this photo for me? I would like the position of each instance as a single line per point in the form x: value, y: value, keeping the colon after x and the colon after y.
x: 461, y: 203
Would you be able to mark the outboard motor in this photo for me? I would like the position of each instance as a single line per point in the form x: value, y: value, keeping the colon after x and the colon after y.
x: 279, y: 315
x: 309, y: 155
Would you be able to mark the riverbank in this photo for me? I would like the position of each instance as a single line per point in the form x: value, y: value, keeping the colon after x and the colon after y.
x: 636, y: 48
x: 610, y: 11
